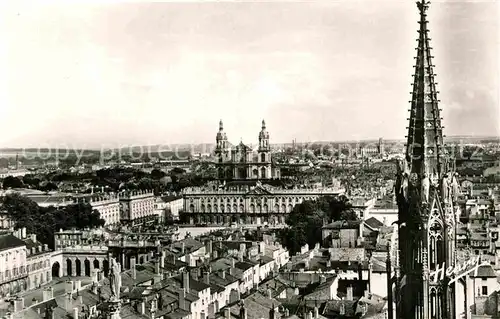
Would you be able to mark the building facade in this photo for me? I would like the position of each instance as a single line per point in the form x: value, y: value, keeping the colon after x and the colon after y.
x: 246, y: 204
x: 25, y: 263
x: 13, y: 272
x: 79, y: 258
x: 242, y: 162
x: 137, y: 207
x: 108, y: 207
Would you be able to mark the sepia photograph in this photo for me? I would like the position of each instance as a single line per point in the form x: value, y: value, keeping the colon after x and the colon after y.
x: 250, y: 159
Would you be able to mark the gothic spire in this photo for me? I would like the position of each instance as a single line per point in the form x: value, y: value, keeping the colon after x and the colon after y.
x: 221, y: 125
x: 425, y: 149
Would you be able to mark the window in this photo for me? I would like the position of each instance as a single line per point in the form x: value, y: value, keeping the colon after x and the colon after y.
x: 485, y: 290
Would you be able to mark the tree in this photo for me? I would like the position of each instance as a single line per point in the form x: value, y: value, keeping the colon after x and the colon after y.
x: 44, y: 221
x: 307, y: 218
x: 12, y: 182
x: 157, y: 174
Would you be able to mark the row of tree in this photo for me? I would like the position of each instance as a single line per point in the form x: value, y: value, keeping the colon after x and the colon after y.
x: 307, y: 218
x: 115, y: 179
x: 45, y: 221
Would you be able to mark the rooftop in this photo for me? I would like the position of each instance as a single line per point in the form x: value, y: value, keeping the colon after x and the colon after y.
x: 10, y: 241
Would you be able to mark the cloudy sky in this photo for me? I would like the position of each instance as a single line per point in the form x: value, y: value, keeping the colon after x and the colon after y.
x: 88, y: 74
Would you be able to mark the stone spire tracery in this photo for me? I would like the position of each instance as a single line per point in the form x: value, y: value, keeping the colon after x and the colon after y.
x: 425, y: 147
x: 426, y: 219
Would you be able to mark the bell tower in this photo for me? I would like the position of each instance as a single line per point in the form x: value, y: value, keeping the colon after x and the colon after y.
x: 221, y: 150
x: 264, y: 153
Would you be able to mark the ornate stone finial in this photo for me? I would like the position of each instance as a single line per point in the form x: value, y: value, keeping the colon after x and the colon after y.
x: 263, y: 124
x: 423, y: 5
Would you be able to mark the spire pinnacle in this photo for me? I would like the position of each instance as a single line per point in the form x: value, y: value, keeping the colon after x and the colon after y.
x: 425, y: 148
x: 263, y: 124
x: 221, y: 125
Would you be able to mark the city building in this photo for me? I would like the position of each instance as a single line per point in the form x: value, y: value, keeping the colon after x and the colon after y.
x: 137, y: 207
x: 168, y: 207
x: 26, y: 263
x: 108, y: 207
x: 241, y: 162
x: 246, y: 203
x: 13, y: 272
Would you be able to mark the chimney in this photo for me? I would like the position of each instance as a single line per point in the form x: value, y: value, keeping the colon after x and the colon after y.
x: 183, y: 248
x: 100, y: 275
x: 142, y: 307
x: 68, y: 302
x: 287, y: 313
x: 209, y: 246
x: 316, y: 312
x: 45, y: 247
x: 132, y: 267
x: 342, y: 309
x: 47, y: 293
x: 23, y: 233
x: 157, y: 266
x: 185, y: 281
x: 78, y: 285
x: 33, y: 238
x: 68, y: 287
x: 182, y: 299
x: 18, y: 304
x: 233, y: 262
x: 309, y: 315
x: 207, y: 277
x: 349, y: 293
x: 269, y: 294
x: 75, y: 312
x: 227, y: 313
x: 223, y: 275
x: 162, y: 260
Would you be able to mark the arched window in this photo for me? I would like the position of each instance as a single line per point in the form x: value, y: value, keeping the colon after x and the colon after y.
x: 263, y: 172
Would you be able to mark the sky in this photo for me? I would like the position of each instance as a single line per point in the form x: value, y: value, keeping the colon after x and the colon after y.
x: 113, y: 73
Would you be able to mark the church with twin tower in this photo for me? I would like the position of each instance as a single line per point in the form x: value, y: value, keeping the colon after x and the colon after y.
x: 242, y: 162
x: 427, y: 192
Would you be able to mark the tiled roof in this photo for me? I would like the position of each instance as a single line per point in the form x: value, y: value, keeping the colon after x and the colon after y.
x: 378, y: 265
x: 10, y: 241
x: 243, y: 265
x: 193, y: 284
x: 485, y: 271
x: 347, y: 254
x: 342, y: 224
x: 190, y: 245
x: 373, y: 223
